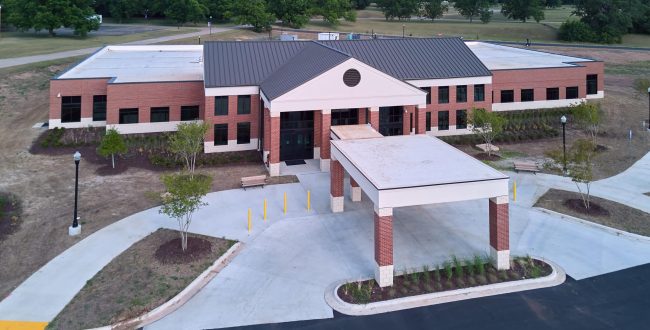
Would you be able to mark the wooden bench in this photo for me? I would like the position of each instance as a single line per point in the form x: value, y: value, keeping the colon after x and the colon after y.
x: 526, y: 167
x: 253, y: 181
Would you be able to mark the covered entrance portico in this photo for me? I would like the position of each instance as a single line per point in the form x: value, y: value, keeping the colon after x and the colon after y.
x: 405, y: 170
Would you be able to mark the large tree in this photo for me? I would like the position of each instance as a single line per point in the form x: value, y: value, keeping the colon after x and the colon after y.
x: 606, y: 18
x: 183, y: 11
x: 523, y: 10
x: 433, y: 9
x: 253, y: 12
x: 294, y: 13
x: 123, y: 9
x: 474, y: 8
x: 400, y: 9
x: 361, y: 4
x: 333, y: 10
x: 219, y: 9
x: 52, y: 14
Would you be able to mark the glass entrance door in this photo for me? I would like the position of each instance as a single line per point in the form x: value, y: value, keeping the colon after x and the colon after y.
x: 296, y: 135
x: 390, y: 121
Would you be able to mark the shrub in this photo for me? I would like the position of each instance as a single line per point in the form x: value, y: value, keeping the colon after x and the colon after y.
x: 448, y: 270
x: 436, y: 274
x: 479, y: 266
x: 426, y: 274
x: 458, y: 266
x: 492, y: 278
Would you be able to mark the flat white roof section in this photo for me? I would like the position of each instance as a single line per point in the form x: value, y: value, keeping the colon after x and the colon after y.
x: 416, y: 170
x: 133, y: 64
x: 349, y: 132
x: 497, y: 57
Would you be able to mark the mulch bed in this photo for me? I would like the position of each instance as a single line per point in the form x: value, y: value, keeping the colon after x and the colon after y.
x: 485, y: 156
x: 605, y: 212
x: 10, y: 209
x: 418, y: 283
x: 171, y: 252
x: 136, y: 282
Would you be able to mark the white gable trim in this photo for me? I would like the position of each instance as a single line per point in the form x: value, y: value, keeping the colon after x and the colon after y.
x: 327, y: 91
x: 226, y: 91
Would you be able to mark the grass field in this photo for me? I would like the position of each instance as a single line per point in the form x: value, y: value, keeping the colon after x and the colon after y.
x: 17, y: 44
x: 237, y: 34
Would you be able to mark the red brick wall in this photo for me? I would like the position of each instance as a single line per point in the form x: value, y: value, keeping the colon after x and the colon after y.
x: 336, y: 178
x: 362, y: 115
x: 406, y: 119
x: 353, y: 183
x: 318, y: 134
x: 499, y: 226
x: 144, y: 96
x: 452, y: 106
x: 384, y: 240
x: 539, y: 80
x: 86, y: 88
x: 275, y: 139
x: 233, y: 118
x: 267, y: 130
x: 596, y: 68
x: 374, y: 119
x: 326, y: 122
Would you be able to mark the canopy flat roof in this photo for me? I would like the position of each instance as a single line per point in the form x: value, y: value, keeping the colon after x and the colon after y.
x: 413, y: 161
x: 349, y: 132
x: 497, y: 57
x: 133, y: 64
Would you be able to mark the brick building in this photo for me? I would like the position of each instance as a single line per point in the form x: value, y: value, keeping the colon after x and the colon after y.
x: 281, y: 98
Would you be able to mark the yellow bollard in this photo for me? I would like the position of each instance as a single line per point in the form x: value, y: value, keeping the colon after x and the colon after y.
x: 264, y: 209
x: 250, y: 223
x: 514, y: 192
x: 308, y: 200
x: 285, y: 203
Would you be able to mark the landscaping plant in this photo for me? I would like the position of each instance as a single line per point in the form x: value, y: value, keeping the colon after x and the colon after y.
x: 458, y: 266
x: 187, y: 143
x: 589, y: 117
x: 112, y: 143
x: 479, y: 266
x: 579, y: 164
x: 448, y: 270
x: 487, y: 125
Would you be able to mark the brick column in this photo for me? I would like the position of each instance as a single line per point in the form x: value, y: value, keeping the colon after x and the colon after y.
x: 336, y: 186
x: 355, y: 190
x: 406, y: 119
x: 318, y: 134
x: 274, y: 132
x: 374, y: 118
x: 326, y: 121
x: 361, y: 115
x: 384, y: 246
x: 267, y: 137
x: 499, y: 232
x: 421, y: 120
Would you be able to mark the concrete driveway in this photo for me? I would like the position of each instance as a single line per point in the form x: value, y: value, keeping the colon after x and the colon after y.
x: 282, y: 273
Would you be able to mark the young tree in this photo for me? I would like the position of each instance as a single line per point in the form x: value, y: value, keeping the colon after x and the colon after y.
x: 579, y: 165
x: 294, y: 13
x: 474, y: 8
x: 182, y: 197
x: 589, y: 117
x: 183, y: 11
x: 253, y: 12
x: 112, y: 143
x: 487, y: 125
x: 187, y: 143
x: 333, y: 10
x: 523, y: 9
x: 433, y: 9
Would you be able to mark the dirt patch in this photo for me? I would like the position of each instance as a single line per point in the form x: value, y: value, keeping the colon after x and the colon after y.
x: 170, y: 253
x: 577, y: 205
x: 136, y: 282
x: 10, y: 214
x: 484, y: 156
x: 617, y: 215
x: 446, y: 278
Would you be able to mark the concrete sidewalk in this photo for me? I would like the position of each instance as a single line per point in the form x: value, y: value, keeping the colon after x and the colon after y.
x: 9, y: 62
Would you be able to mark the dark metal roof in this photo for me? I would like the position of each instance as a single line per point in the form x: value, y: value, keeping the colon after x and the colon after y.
x: 251, y: 63
x: 314, y: 59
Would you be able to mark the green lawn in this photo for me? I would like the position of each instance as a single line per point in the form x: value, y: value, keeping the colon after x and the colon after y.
x: 236, y: 34
x: 17, y: 44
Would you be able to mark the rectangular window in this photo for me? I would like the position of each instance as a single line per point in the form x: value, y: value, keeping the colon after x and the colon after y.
x: 70, y: 109
x: 345, y: 117
x: 129, y: 116
x: 443, y: 120
x: 221, y: 105
x: 479, y: 93
x: 527, y: 95
x: 99, y: 107
x: 572, y: 92
x: 428, y: 121
x: 553, y: 93
x: 428, y: 90
x: 443, y: 94
x: 592, y: 84
x: 507, y: 96
x: 461, y: 93
x: 189, y: 112
x: 159, y: 114
x: 243, y: 104
x: 221, y: 134
x: 243, y: 133
x: 461, y: 119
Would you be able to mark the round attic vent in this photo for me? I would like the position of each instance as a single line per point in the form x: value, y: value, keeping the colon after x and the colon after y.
x: 351, y: 78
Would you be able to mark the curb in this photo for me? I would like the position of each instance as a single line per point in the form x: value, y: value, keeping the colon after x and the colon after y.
x: 607, y: 229
x: 557, y: 277
x: 182, y: 297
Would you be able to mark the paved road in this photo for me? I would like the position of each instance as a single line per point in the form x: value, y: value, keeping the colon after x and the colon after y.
x: 619, y: 300
x: 9, y: 62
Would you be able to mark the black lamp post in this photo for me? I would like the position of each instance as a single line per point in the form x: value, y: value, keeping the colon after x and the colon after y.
x: 75, y: 229
x: 210, y: 25
x: 403, y: 30
x: 563, y: 121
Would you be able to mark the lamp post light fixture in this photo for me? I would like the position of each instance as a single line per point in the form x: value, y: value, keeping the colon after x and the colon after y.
x: 75, y: 229
x: 563, y: 121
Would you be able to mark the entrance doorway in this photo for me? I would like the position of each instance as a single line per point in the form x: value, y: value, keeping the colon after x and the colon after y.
x: 296, y: 135
x: 390, y: 121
